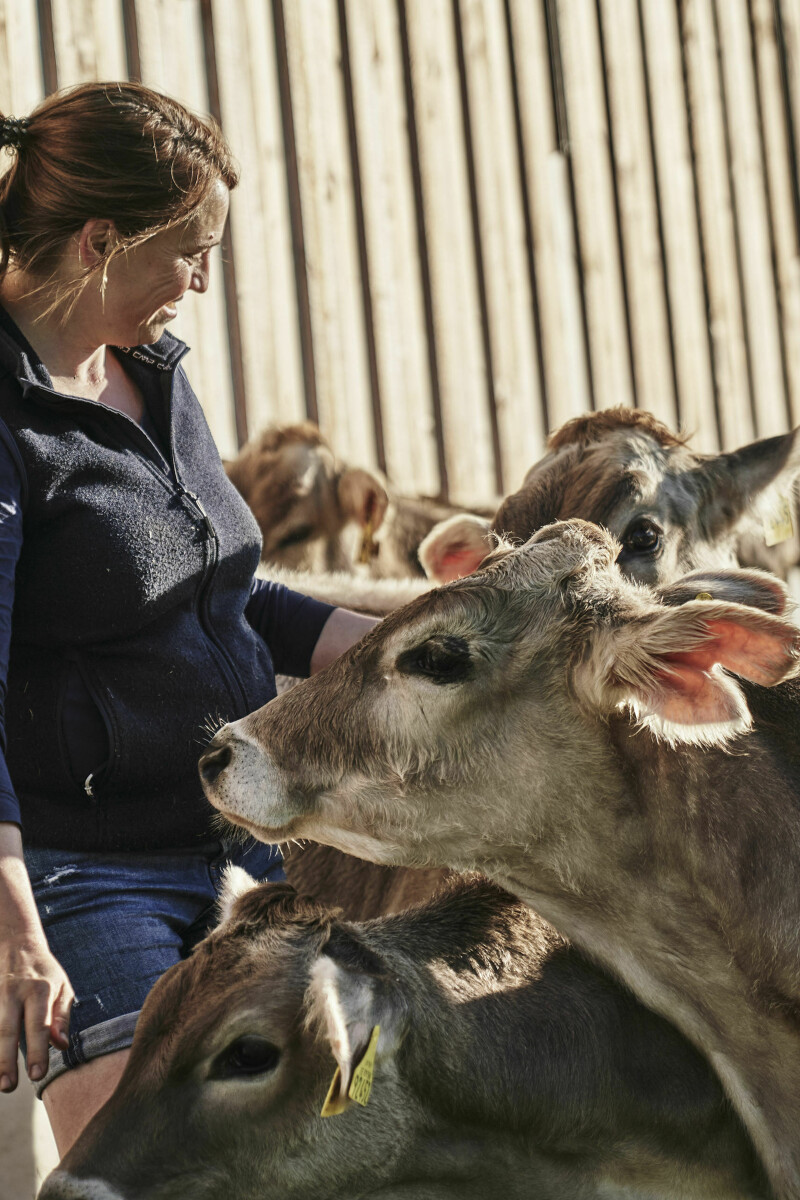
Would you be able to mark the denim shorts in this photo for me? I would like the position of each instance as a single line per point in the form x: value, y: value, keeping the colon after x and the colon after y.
x: 117, y: 921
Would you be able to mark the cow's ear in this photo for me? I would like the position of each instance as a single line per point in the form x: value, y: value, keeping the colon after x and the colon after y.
x: 455, y: 547
x: 351, y: 995
x: 362, y: 496
x: 665, y: 664
x: 235, y: 882
x: 756, y: 589
x: 733, y: 484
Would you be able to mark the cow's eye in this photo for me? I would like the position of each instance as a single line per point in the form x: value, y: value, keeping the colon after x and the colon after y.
x: 248, y: 1055
x: 642, y: 537
x: 301, y: 534
x: 440, y: 659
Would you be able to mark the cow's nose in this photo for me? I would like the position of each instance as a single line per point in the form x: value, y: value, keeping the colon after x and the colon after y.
x: 214, y: 762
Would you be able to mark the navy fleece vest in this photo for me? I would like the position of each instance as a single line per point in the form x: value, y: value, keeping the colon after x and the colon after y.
x: 139, y: 582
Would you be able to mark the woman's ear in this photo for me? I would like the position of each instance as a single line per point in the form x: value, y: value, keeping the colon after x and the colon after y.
x: 95, y: 241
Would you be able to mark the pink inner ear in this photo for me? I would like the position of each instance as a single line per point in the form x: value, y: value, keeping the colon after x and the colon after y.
x: 457, y: 562
x: 763, y: 657
x: 693, y: 697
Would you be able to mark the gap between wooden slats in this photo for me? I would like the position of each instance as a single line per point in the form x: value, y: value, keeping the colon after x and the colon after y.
x: 638, y: 208
x: 566, y: 371
x: 752, y: 217
x: 89, y: 40
x: 398, y: 315
x: 781, y: 198
x: 337, y: 318
x: 725, y: 312
x: 454, y: 291
x: 685, y: 284
x: 510, y: 320
x: 201, y: 322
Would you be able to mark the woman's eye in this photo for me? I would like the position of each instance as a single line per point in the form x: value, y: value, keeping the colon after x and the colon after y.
x: 248, y: 1055
x: 440, y: 659
x: 643, y: 537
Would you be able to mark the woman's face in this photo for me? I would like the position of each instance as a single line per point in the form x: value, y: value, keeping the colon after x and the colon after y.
x: 145, y: 285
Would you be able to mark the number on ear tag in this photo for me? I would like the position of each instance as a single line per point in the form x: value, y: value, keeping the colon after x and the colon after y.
x: 360, y: 1085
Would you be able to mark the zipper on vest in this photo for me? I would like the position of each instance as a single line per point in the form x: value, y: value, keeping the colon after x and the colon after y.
x: 226, y: 663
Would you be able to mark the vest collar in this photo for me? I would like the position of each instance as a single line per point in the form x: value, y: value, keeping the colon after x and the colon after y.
x: 19, y: 358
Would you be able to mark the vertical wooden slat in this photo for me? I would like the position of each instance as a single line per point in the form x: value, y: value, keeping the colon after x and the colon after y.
x: 747, y: 169
x: 361, y: 236
x: 566, y: 370
x: 726, y: 318
x: 454, y: 289
x: 594, y: 198
x: 295, y: 213
x: 675, y: 181
x: 262, y: 247
x: 638, y: 207
x: 227, y: 252
x: 398, y: 313
x: 201, y: 322
x: 510, y: 317
x: 21, y: 81
x: 334, y: 282
x: 781, y: 193
x: 89, y: 40
x: 789, y: 12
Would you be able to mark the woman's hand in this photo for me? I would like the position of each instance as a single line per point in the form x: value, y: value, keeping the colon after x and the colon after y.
x: 35, y: 993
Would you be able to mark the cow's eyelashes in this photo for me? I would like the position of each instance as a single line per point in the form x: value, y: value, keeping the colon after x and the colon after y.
x: 248, y: 1055
x: 301, y: 534
x: 642, y: 537
x: 440, y: 659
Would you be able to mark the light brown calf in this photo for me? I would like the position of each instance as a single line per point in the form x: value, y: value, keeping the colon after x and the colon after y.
x: 507, y: 1067
x: 555, y: 725
x: 312, y: 509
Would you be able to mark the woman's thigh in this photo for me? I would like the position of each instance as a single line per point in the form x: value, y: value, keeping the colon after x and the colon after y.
x: 73, y: 1098
x: 117, y: 922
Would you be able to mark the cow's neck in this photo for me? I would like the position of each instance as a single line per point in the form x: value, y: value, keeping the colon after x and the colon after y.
x: 672, y: 902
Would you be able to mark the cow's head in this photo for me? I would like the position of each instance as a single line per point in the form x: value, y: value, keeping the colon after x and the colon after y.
x: 234, y: 1053
x: 672, y: 510
x: 303, y: 499
x: 488, y: 700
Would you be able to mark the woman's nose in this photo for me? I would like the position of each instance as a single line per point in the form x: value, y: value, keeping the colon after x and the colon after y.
x: 200, y: 275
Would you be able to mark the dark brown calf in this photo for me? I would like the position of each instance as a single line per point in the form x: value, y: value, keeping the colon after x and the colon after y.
x: 507, y: 1067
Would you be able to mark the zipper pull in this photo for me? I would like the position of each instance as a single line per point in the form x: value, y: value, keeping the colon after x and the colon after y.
x: 88, y: 788
x: 207, y: 520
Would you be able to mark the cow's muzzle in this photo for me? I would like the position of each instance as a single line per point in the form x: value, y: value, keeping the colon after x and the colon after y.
x: 241, y: 780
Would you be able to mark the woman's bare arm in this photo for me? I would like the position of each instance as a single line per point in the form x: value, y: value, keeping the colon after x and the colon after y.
x: 339, y: 632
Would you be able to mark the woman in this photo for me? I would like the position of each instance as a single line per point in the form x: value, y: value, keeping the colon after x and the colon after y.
x: 129, y: 560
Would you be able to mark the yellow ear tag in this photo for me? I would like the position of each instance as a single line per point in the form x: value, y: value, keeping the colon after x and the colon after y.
x: 369, y: 547
x: 779, y: 525
x: 360, y: 1084
x: 704, y: 596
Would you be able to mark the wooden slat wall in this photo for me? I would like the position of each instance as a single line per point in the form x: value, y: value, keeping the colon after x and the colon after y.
x: 462, y: 222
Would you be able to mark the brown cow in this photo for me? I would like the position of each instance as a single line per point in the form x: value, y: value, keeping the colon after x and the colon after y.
x: 311, y: 509
x: 671, y: 509
x: 506, y: 1067
x: 556, y: 725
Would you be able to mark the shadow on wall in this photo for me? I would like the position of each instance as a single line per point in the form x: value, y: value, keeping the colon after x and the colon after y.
x: 27, y: 1150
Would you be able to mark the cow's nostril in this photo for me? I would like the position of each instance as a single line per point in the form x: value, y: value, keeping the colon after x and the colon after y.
x: 214, y: 762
